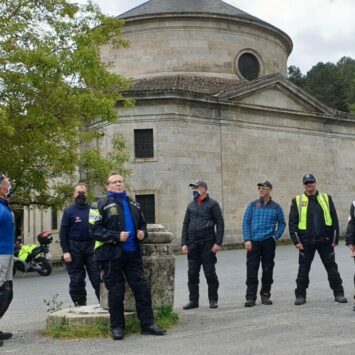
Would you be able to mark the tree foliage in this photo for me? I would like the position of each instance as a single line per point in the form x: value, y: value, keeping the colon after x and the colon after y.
x: 333, y: 84
x: 53, y: 88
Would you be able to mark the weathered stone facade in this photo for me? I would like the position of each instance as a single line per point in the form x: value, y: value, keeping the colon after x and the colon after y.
x: 209, y: 122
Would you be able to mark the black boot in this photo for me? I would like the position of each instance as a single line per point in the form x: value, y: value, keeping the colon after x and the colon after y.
x: 5, y: 336
x: 190, y: 305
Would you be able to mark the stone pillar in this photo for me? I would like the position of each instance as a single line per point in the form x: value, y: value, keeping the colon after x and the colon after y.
x: 159, y: 269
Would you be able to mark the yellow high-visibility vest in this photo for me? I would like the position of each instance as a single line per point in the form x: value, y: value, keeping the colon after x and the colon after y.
x: 26, y: 250
x: 302, y: 205
x: 94, y: 216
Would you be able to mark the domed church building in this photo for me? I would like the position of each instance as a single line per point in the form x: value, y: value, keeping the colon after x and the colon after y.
x: 213, y: 103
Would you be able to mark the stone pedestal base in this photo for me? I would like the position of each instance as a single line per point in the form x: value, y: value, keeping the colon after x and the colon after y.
x: 85, y: 315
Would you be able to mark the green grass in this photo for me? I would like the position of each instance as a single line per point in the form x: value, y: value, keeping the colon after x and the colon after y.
x: 165, y: 317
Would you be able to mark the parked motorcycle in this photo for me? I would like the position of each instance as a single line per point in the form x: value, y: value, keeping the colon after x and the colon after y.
x: 34, y: 257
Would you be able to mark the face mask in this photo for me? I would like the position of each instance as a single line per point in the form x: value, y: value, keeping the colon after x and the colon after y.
x: 10, y: 191
x: 80, y: 199
x: 196, y: 194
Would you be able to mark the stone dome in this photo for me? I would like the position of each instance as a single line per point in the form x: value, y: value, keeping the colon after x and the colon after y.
x: 198, y: 37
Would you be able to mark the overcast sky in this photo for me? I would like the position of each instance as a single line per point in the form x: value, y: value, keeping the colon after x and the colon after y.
x: 321, y: 30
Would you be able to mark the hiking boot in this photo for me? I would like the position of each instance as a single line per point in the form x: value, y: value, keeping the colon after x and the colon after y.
x: 300, y: 300
x: 117, y: 333
x: 213, y: 304
x: 340, y: 299
x: 266, y: 300
x: 190, y: 305
x: 152, y: 329
x: 5, y: 336
x: 249, y: 303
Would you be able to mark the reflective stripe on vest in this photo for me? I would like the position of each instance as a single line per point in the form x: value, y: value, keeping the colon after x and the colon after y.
x: 98, y: 244
x: 302, y: 205
x: 94, y: 216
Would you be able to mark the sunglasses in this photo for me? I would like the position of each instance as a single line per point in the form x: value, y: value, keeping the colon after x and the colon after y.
x: 309, y: 182
x: 263, y: 188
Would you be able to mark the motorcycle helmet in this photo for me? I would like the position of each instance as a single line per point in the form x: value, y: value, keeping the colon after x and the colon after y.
x: 45, y: 238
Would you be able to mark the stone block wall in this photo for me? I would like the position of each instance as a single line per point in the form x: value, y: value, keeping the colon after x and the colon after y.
x: 234, y: 151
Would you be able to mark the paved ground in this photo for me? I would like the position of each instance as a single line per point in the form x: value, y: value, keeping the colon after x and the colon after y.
x: 319, y: 327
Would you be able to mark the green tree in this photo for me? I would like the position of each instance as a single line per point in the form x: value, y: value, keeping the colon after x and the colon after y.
x: 55, y: 94
x: 295, y: 75
x: 324, y: 83
x: 346, y: 70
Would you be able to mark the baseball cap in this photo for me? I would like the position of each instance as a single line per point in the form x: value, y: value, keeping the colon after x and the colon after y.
x: 199, y: 183
x: 309, y: 178
x: 265, y: 183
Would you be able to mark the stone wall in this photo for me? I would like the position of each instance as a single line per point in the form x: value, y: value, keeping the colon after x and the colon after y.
x: 195, y: 45
x: 234, y: 151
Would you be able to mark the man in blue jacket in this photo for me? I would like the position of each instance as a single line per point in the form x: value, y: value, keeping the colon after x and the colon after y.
x: 7, y: 234
x: 263, y: 224
x: 78, y: 247
x: 118, y: 226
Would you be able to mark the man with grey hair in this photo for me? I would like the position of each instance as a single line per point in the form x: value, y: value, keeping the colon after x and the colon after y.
x: 202, y: 237
x: 7, y: 234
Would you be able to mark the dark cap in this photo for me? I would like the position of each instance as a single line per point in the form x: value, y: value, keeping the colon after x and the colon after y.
x: 308, y: 178
x: 265, y: 183
x: 199, y: 183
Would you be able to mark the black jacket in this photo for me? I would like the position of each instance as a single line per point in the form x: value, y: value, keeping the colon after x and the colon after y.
x: 74, y: 226
x: 316, y: 230
x: 107, y: 222
x: 350, y: 230
x: 200, y: 221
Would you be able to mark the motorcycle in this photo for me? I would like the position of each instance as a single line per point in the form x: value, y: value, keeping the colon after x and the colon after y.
x: 34, y: 257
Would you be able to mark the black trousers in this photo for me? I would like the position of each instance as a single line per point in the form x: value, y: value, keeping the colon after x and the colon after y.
x: 130, y: 267
x: 327, y: 255
x: 6, y: 295
x: 264, y: 252
x: 83, y: 261
x: 200, y: 254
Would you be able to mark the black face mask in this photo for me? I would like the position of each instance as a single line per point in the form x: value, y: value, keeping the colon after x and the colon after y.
x: 80, y: 199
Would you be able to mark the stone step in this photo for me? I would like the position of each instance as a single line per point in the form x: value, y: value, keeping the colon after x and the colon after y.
x: 84, y: 315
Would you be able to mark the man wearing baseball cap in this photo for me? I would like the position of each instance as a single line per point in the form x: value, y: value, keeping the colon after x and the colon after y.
x: 202, y: 237
x: 263, y: 224
x: 313, y: 226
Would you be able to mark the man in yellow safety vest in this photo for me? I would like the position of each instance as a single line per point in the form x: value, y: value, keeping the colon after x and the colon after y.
x: 313, y: 226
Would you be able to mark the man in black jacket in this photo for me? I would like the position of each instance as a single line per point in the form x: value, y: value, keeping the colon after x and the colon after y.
x: 118, y: 226
x: 78, y: 247
x: 350, y: 236
x: 313, y: 226
x: 201, y: 242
